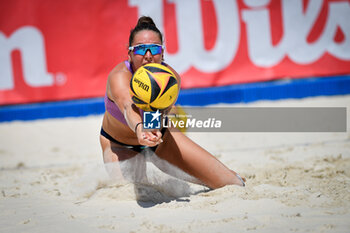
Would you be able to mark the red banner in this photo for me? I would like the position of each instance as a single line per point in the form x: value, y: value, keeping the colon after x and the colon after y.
x: 59, y: 50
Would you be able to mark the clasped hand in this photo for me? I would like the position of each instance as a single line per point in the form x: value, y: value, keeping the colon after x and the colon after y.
x: 149, y: 137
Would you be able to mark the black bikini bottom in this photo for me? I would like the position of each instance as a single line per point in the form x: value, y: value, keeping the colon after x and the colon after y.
x: 137, y: 148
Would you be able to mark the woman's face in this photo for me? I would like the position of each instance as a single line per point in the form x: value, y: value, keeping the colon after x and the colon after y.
x: 145, y: 37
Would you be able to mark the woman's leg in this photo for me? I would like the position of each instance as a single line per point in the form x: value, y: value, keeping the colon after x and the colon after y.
x: 127, y: 165
x: 122, y: 163
x: 182, y: 152
x: 171, y: 169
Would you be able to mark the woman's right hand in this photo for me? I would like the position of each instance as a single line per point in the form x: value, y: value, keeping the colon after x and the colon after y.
x: 148, y: 137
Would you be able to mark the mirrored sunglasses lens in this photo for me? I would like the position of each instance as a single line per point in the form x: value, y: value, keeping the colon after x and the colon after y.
x: 156, y: 49
x: 142, y: 49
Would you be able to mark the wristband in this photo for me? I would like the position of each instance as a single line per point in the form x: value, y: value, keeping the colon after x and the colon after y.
x: 137, y: 125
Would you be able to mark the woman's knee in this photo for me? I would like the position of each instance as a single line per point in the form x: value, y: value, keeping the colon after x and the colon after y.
x: 109, y: 156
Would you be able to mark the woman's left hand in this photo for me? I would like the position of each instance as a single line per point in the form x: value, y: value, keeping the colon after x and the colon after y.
x: 149, y: 137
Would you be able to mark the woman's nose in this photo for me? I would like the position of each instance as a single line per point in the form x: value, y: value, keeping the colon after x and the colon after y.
x: 148, y: 55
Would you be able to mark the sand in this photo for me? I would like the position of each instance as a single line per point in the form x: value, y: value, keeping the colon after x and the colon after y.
x: 52, y: 179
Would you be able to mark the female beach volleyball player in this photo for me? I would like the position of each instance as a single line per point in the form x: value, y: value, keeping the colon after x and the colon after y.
x: 122, y: 136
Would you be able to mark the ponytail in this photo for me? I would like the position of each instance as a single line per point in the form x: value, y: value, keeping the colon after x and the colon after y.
x: 144, y: 23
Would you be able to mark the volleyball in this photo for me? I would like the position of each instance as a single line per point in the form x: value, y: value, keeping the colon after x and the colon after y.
x: 154, y: 86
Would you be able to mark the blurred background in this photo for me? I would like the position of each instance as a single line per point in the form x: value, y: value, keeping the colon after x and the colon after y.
x: 55, y: 56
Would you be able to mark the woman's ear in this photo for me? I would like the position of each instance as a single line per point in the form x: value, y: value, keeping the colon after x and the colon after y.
x: 129, y: 57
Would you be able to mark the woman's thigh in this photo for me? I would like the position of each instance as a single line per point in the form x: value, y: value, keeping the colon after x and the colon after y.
x: 182, y: 152
x: 113, y: 152
x: 122, y: 163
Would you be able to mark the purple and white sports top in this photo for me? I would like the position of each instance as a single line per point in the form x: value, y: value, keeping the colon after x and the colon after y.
x: 111, y: 107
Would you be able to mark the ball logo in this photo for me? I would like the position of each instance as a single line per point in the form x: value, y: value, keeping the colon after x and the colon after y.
x: 141, y: 84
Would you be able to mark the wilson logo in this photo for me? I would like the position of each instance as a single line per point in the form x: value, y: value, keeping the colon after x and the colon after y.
x: 297, y: 24
x: 141, y: 84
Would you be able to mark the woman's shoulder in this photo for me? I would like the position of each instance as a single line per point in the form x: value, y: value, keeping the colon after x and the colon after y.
x: 119, y: 70
x: 118, y: 79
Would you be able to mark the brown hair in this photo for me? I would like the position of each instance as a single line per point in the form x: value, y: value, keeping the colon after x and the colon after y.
x: 144, y: 23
